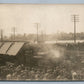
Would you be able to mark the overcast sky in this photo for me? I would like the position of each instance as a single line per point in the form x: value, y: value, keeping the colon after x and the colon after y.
x: 52, y: 18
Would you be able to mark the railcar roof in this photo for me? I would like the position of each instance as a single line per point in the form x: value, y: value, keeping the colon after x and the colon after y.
x: 10, y: 48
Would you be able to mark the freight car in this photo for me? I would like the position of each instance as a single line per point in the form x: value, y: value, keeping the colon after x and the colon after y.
x: 19, y: 53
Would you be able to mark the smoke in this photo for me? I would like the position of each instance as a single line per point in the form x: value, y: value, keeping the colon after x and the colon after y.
x: 54, y: 53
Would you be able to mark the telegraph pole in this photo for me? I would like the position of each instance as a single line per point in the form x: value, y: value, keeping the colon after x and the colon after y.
x: 75, y: 19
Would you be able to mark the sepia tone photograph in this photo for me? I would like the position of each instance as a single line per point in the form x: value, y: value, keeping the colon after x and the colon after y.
x: 41, y: 42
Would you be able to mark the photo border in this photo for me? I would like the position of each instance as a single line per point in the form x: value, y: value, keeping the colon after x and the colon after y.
x: 44, y: 1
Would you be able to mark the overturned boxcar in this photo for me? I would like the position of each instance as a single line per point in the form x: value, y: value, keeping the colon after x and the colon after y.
x: 17, y: 52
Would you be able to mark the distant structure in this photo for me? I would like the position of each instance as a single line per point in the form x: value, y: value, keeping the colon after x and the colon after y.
x: 75, y: 19
x: 1, y: 32
x: 42, y: 39
x: 37, y: 24
x: 14, y: 32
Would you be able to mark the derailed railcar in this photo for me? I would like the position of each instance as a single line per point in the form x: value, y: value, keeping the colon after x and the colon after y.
x: 19, y: 53
x: 9, y: 51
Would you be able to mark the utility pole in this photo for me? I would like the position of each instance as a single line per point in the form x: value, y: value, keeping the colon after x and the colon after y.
x: 37, y: 26
x: 1, y: 32
x: 75, y: 19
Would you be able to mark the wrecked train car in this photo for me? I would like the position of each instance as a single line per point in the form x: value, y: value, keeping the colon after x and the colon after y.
x: 16, y: 52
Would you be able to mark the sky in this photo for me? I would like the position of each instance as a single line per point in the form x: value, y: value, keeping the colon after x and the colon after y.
x: 51, y: 18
